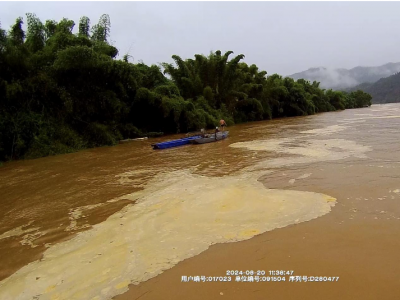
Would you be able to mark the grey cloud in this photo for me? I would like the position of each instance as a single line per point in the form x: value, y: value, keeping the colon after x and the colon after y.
x: 280, y: 37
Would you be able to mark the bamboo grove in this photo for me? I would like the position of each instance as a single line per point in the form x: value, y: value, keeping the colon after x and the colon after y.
x: 62, y: 91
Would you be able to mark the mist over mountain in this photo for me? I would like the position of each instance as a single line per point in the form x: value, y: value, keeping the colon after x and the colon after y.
x: 385, y: 90
x: 339, y: 79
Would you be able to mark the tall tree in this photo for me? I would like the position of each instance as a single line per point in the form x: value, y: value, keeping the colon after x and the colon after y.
x: 35, y: 37
x: 84, y: 27
x: 17, y: 34
x: 101, y: 31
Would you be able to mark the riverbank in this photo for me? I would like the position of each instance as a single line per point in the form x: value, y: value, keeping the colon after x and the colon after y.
x: 68, y: 91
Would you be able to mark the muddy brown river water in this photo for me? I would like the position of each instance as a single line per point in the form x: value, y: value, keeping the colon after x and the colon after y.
x: 316, y: 195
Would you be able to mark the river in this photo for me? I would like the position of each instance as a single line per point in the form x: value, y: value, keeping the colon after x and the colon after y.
x: 318, y: 195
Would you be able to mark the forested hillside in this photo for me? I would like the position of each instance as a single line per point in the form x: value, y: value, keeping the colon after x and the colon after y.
x: 61, y: 92
x: 385, y: 90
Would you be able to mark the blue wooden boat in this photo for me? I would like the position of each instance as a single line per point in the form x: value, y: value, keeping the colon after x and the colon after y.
x: 209, y: 138
x: 175, y: 143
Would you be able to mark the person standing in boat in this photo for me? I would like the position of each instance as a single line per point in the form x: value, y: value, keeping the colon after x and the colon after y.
x: 216, y: 131
x: 222, y: 124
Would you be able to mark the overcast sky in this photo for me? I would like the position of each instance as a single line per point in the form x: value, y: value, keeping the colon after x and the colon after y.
x: 279, y: 37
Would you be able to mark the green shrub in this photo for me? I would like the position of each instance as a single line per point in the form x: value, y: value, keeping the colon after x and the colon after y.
x: 99, y: 135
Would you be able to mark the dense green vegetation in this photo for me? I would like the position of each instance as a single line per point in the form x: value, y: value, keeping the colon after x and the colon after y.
x: 61, y: 92
x: 385, y: 90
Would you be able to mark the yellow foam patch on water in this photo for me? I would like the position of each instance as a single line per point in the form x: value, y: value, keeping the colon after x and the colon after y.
x: 29, y: 235
x: 302, y: 152
x: 249, y: 233
x: 77, y: 213
x: 166, y: 225
x: 368, y: 118
x: 326, y: 130
x: 50, y: 288
x: 304, y: 176
x: 122, y: 284
x: 18, y: 231
x: 330, y: 199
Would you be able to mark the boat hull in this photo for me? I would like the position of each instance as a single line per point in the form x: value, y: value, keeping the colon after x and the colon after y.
x: 211, y: 138
x: 175, y: 143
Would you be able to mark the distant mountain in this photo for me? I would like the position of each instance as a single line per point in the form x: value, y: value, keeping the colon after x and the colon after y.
x: 339, y: 79
x: 385, y: 90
